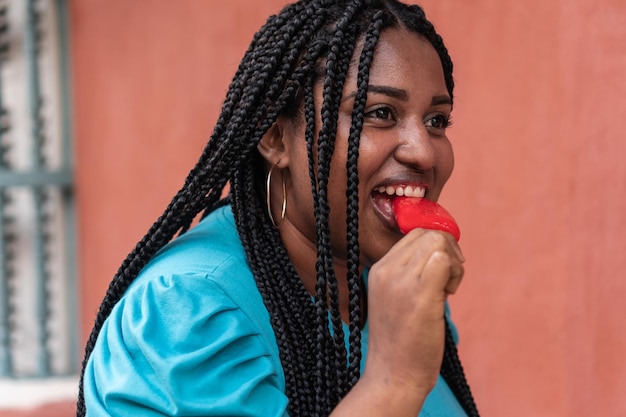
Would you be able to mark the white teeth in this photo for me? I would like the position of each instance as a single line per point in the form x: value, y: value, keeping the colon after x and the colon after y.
x: 408, y: 191
x: 417, y: 192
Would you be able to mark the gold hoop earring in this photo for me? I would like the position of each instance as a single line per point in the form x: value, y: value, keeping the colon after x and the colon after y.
x: 267, y: 192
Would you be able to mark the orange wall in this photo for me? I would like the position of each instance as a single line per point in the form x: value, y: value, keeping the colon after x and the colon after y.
x: 539, y: 188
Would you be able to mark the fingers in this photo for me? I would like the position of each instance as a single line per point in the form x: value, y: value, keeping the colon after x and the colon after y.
x: 407, y: 250
x: 441, y: 275
x: 436, y: 256
x: 431, y: 260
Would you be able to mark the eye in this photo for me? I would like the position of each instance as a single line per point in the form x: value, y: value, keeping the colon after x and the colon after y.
x: 438, y: 121
x: 384, y: 115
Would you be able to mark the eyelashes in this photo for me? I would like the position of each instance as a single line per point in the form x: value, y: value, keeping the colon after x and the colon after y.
x: 381, y: 116
x: 439, y: 121
x: 381, y: 113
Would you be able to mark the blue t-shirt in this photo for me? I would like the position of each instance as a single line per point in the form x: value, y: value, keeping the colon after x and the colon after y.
x: 192, y: 337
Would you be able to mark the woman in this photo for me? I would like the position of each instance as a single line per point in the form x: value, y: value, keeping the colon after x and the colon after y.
x: 298, y: 294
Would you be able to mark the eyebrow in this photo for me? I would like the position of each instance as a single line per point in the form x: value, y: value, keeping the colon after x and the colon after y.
x: 381, y: 89
x: 400, y: 94
x: 439, y: 100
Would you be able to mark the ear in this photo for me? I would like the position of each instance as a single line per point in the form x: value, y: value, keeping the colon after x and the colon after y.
x: 274, y: 145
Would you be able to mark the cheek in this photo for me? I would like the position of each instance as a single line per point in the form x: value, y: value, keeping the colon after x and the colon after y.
x: 445, y: 159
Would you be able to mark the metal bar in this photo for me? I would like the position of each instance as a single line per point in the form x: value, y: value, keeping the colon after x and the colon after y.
x: 62, y: 14
x: 61, y: 178
x: 6, y: 360
x: 62, y: 27
x: 41, y: 239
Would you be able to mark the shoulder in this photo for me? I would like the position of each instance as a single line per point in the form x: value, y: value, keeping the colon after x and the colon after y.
x: 191, y: 328
x: 213, y: 245
x: 208, y: 258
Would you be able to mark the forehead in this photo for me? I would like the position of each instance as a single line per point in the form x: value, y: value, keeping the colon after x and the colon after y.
x: 406, y: 60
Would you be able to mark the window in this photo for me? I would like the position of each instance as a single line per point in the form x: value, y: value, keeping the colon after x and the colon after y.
x: 38, y: 314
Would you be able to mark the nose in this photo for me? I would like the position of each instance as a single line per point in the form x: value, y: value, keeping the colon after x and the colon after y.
x: 416, y: 147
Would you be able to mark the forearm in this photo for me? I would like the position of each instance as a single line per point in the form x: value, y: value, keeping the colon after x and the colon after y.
x: 381, y: 396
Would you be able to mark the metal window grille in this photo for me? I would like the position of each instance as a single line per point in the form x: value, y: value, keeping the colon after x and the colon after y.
x: 37, y: 249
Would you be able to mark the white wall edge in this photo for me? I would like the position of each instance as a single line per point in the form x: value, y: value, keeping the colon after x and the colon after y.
x: 31, y: 393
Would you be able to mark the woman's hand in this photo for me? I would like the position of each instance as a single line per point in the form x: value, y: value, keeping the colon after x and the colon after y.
x: 408, y: 288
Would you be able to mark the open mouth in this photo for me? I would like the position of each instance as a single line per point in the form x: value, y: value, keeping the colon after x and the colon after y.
x: 383, y: 196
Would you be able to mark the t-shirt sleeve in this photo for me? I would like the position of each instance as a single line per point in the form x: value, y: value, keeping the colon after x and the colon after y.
x: 179, y: 346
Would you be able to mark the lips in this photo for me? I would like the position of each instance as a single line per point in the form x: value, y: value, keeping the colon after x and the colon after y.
x: 404, y: 207
x: 384, y: 195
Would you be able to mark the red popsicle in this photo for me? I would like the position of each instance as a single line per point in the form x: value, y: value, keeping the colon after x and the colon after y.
x: 412, y: 213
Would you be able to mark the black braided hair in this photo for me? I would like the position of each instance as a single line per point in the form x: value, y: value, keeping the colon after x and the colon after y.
x: 308, y: 41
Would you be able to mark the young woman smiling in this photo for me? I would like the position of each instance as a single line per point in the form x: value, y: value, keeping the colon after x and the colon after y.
x: 298, y: 294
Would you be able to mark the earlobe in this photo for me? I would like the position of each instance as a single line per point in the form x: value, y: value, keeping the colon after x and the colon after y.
x: 273, y: 146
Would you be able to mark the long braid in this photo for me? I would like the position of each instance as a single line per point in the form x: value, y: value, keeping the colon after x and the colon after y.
x: 452, y: 372
x: 276, y: 76
x: 352, y: 195
x: 270, y: 256
x: 331, y: 348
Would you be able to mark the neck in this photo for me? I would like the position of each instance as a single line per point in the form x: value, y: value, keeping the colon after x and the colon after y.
x: 303, y: 255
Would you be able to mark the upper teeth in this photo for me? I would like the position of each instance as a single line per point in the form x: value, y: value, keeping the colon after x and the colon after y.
x: 408, y: 190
